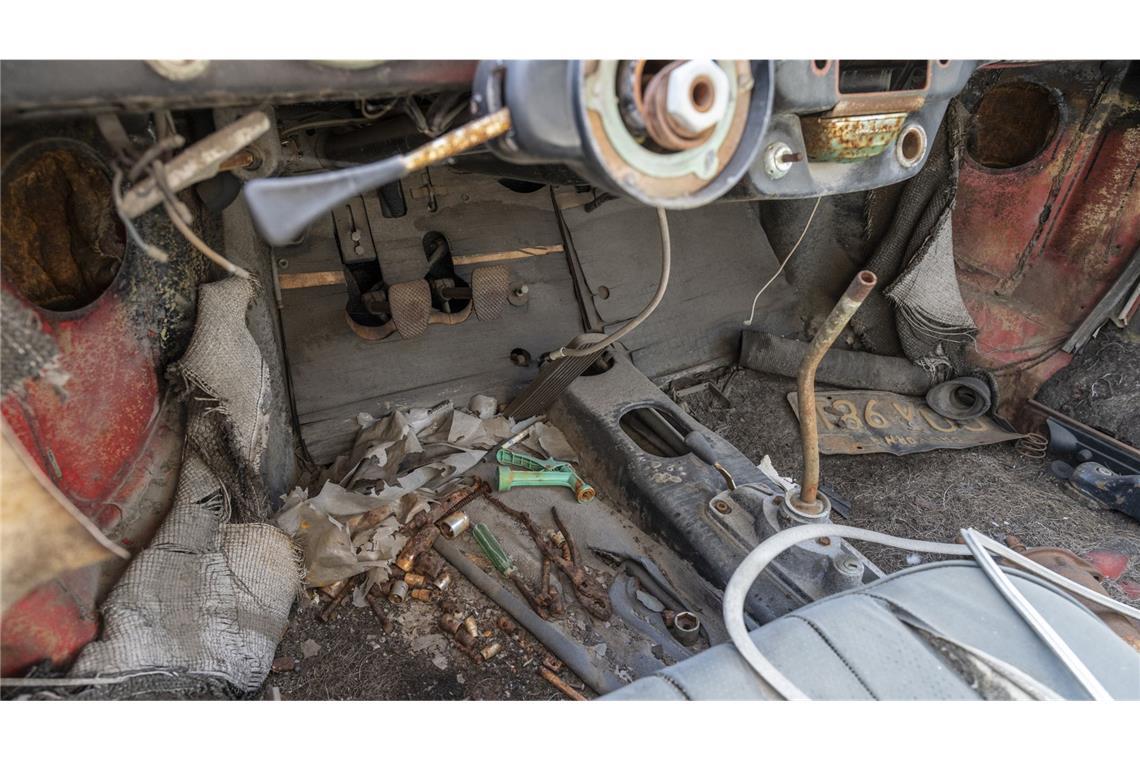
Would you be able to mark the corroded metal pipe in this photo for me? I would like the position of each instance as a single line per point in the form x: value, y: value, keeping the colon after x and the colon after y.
x: 857, y: 291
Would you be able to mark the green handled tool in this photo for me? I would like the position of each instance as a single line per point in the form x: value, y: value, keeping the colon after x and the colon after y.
x: 540, y: 472
x: 491, y: 548
x: 515, y: 459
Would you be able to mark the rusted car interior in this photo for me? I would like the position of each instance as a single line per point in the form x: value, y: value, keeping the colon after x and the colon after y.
x: 571, y: 379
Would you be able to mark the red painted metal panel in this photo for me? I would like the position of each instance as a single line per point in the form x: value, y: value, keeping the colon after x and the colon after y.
x: 1038, y: 245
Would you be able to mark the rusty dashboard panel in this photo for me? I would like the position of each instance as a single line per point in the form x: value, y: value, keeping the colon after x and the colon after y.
x: 876, y: 422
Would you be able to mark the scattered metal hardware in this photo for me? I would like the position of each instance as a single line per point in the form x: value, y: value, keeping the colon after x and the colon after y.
x: 422, y: 594
x: 442, y: 581
x: 454, y: 524
x: 561, y: 685
x: 415, y: 580
x: 539, y: 472
x: 398, y: 592
x: 962, y: 398
x: 386, y: 623
x: 450, y: 623
x: 471, y: 625
x: 466, y: 639
x: 686, y: 627
x: 490, y: 650
x: 590, y: 592
x: 418, y: 543
x: 425, y: 523
x: 870, y: 422
x: 506, y: 625
x: 343, y: 593
x: 430, y: 564
x: 283, y: 206
x: 807, y: 499
x: 451, y: 502
x: 491, y: 548
x: 576, y: 657
x: 847, y: 369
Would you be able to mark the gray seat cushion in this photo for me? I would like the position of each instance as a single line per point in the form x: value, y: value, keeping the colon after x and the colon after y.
x: 872, y: 643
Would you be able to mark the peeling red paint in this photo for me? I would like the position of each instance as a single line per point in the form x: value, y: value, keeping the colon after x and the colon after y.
x: 1037, y: 246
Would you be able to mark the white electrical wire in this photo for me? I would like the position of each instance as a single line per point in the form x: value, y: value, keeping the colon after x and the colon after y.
x: 666, y: 263
x: 807, y: 226
x: 753, y: 565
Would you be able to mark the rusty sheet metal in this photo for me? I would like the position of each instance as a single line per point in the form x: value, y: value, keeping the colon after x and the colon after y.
x: 876, y: 422
x: 849, y: 138
x: 1038, y: 244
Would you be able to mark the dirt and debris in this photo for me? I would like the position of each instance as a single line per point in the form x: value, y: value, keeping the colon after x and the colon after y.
x: 351, y: 657
x: 383, y: 617
x: 1101, y: 387
x: 931, y: 495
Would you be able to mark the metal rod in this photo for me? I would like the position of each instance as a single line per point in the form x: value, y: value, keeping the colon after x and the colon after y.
x: 808, y: 499
x: 576, y: 657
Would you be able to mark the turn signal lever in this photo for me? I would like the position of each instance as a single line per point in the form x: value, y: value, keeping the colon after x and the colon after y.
x: 284, y: 206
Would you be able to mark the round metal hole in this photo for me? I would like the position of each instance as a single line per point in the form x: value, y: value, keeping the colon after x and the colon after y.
x: 687, y: 622
x: 911, y: 146
x: 702, y: 94
x: 62, y: 242
x: 820, y: 67
x: 1013, y: 123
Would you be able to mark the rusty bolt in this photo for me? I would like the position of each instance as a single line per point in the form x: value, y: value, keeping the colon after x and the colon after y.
x: 429, y: 564
x: 421, y: 594
x: 415, y: 580
x: 506, y: 625
x: 243, y: 159
x: 722, y: 506
x: 449, y: 623
x: 465, y: 639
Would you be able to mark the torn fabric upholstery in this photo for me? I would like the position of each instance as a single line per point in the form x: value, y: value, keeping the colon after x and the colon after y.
x: 203, y: 607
